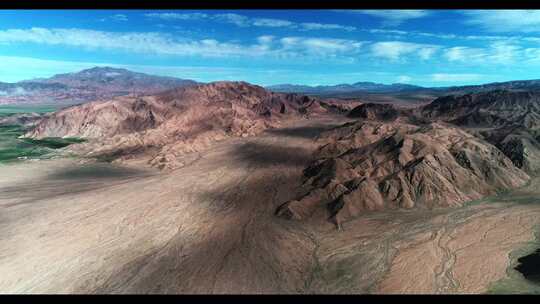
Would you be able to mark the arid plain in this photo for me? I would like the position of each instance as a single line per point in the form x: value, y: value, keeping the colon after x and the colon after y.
x: 210, y: 227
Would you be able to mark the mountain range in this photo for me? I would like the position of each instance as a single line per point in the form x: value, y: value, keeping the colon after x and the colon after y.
x: 455, y: 149
x: 90, y: 84
x: 163, y: 126
x: 360, y: 89
x: 368, y: 87
x: 101, y: 83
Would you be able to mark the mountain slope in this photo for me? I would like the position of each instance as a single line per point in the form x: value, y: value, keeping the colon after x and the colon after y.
x: 369, y: 165
x: 509, y: 120
x: 116, y: 80
x: 91, y: 84
x: 182, y: 120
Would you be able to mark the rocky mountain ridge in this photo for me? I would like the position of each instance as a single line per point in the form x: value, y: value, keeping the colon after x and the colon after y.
x: 178, y: 121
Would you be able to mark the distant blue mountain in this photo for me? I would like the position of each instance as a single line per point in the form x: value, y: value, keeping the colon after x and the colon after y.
x: 360, y: 88
x: 365, y: 87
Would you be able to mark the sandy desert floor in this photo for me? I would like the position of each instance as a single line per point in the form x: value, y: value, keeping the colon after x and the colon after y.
x: 209, y: 227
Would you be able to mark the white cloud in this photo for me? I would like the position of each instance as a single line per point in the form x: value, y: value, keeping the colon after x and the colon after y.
x: 323, y: 26
x: 176, y: 16
x: 383, y: 31
x: 146, y: 42
x: 271, y: 22
x: 438, y: 35
x: 320, y: 46
x: 116, y: 17
x: 244, y: 21
x: 442, y: 77
x: 394, y: 50
x: 235, y: 19
x: 447, y: 36
x: 404, y: 79
x: 502, y: 52
x: 165, y: 44
x: 426, y: 52
x: 494, y: 53
x: 505, y: 20
x: 119, y: 17
x: 265, y: 39
x: 394, y: 17
x: 463, y: 53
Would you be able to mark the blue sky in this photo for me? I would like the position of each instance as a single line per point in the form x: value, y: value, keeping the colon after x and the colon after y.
x: 266, y: 47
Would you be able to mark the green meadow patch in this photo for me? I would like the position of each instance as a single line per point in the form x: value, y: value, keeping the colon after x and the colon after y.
x: 13, y: 148
x: 6, y: 110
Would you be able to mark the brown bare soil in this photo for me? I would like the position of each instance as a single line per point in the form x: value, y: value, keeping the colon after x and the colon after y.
x: 209, y: 227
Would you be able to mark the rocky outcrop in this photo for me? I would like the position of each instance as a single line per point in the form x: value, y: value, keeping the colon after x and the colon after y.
x: 514, y: 107
x: 510, y: 120
x: 175, y: 122
x: 367, y: 166
x: 375, y: 111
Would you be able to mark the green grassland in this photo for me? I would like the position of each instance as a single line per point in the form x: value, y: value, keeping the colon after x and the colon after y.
x: 13, y: 148
x: 6, y: 110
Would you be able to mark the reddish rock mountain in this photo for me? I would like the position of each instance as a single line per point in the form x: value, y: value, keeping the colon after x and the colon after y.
x: 510, y: 120
x: 366, y: 166
x: 375, y: 111
x: 177, y: 121
x: 456, y: 149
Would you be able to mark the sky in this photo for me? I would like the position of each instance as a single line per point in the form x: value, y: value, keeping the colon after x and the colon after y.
x: 268, y: 47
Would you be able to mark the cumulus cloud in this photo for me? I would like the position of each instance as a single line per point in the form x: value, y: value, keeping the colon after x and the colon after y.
x: 394, y: 50
x: 505, y: 20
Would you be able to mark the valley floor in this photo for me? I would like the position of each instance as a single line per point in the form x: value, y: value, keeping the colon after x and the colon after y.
x: 209, y: 227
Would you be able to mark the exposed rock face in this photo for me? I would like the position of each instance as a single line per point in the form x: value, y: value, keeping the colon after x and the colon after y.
x: 373, y: 166
x: 516, y: 107
x: 375, y: 111
x: 453, y: 150
x: 509, y: 120
x: 177, y: 121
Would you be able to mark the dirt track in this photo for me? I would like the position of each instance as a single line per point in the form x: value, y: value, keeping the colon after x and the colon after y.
x: 209, y: 228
